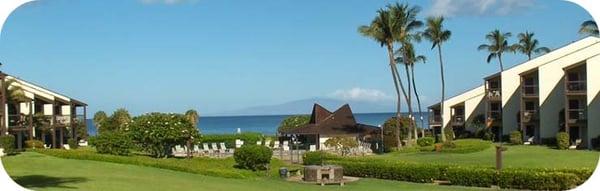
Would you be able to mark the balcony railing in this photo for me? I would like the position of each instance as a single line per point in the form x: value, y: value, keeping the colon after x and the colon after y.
x: 530, y: 90
x: 494, y: 94
x: 577, y: 115
x: 435, y: 119
x: 62, y: 119
x: 18, y: 121
x: 495, y: 115
x: 458, y: 119
x: 576, y: 86
x: 530, y: 115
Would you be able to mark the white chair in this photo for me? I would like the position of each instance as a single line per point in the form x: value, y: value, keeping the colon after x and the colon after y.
x: 196, y: 149
x: 286, y: 146
x: 258, y: 142
x: 224, y: 149
x: 1, y: 152
x: 313, y: 148
x: 268, y: 143
x: 276, y: 145
x: 66, y: 146
x: 238, y: 143
x: 214, y: 147
x: 206, y: 149
x: 47, y: 146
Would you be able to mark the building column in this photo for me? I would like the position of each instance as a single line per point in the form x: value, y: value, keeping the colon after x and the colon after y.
x: 31, y: 120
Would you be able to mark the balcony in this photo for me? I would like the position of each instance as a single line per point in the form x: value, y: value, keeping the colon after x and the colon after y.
x: 494, y: 95
x: 530, y: 90
x: 62, y: 120
x: 576, y: 115
x: 458, y: 120
x: 435, y: 119
x: 530, y: 116
x: 494, y: 115
x: 18, y: 121
x: 576, y: 87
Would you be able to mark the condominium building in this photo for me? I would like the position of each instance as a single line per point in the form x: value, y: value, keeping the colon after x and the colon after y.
x: 555, y: 92
x: 38, y: 113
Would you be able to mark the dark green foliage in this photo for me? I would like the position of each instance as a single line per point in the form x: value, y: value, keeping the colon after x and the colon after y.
x: 253, y: 157
x: 485, y: 134
x: 293, y: 122
x: 425, y: 141
x: 315, y: 157
x: 7, y: 142
x: 516, y: 138
x: 466, y: 146
x: 468, y: 176
x: 229, y: 139
x: 72, y: 143
x: 34, y: 144
x: 562, y: 140
x: 391, y: 170
x: 549, y: 141
x: 390, y: 129
x: 158, y: 133
x: 116, y: 122
x: 449, y: 132
x: 532, y: 180
x: 113, y: 143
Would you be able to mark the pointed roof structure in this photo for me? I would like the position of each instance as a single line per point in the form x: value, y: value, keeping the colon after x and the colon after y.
x: 339, y: 122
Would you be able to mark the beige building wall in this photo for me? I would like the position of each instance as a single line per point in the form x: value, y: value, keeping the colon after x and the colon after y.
x: 48, y: 109
x: 593, y: 97
x: 471, y: 98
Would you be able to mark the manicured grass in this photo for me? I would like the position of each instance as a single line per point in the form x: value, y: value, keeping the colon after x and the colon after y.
x: 42, y: 172
x: 521, y: 156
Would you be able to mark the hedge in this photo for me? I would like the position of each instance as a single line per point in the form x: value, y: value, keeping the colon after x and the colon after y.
x: 466, y: 146
x: 7, y: 142
x: 253, y: 157
x: 512, y: 178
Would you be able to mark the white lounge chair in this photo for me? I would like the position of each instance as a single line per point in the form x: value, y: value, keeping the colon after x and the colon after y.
x: 214, y: 147
x: 206, y: 149
x: 238, y: 143
x: 67, y: 147
x: 286, y: 146
x: 258, y: 142
x: 313, y: 148
x: 223, y: 149
x: 276, y: 145
x: 268, y: 143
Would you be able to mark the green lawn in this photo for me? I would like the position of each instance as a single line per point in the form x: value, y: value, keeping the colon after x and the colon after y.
x: 42, y: 172
x: 522, y: 156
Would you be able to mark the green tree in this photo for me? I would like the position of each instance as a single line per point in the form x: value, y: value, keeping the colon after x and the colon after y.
x: 437, y: 35
x: 589, y: 27
x: 100, y: 118
x: 391, y: 128
x: 193, y: 117
x: 409, y: 59
x: 158, y: 133
x: 344, y: 144
x: 293, y: 122
x: 121, y: 118
x: 498, y: 45
x: 527, y: 45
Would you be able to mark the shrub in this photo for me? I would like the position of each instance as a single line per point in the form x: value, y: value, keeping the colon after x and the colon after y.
x: 390, y: 129
x: 34, y: 144
x: 316, y: 157
x: 536, y: 180
x: 425, y: 141
x: 7, y: 142
x: 469, y: 176
x: 113, y: 143
x: 252, y: 157
x: 293, y: 122
x: 229, y: 139
x: 158, y: 133
x: 562, y: 140
x: 72, y: 143
x: 449, y: 132
x: 466, y: 146
x: 516, y: 138
x: 391, y: 170
x: 344, y: 144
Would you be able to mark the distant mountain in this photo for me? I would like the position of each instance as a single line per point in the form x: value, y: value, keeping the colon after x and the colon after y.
x: 304, y: 106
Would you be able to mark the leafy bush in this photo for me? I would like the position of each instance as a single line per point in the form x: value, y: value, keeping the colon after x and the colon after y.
x: 449, y: 132
x: 425, y: 141
x: 391, y: 170
x: 343, y: 144
x: 253, y: 157
x: 315, y: 157
x: 158, y: 133
x: 34, y: 144
x: 113, y: 143
x: 466, y: 146
x: 521, y: 179
x: 72, y: 143
x: 468, y: 176
x: 485, y: 134
x: 516, y: 138
x: 390, y: 129
x: 293, y: 122
x: 229, y: 139
x: 562, y: 140
x: 7, y: 142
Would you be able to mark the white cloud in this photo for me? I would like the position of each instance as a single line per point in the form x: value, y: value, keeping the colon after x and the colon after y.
x: 360, y: 94
x: 167, y: 2
x: 450, y: 8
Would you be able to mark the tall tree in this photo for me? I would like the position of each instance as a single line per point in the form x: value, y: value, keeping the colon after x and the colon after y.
x: 409, y: 58
x: 437, y: 34
x: 528, y: 45
x: 406, y: 18
x: 120, y: 118
x: 192, y: 116
x: 498, y: 44
x: 99, y: 118
x: 589, y: 27
x: 381, y: 30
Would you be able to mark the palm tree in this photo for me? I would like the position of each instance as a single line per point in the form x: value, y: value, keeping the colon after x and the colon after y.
x: 383, y: 30
x: 437, y: 35
x: 192, y: 116
x: 411, y: 59
x: 498, y: 45
x: 99, y: 118
x: 589, y: 27
x: 527, y: 45
x: 406, y: 34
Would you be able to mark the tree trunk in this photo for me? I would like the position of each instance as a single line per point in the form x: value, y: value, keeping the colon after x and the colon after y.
x: 398, y: 100
x: 500, y: 60
x: 443, y: 93
x: 412, y: 71
x: 409, y: 101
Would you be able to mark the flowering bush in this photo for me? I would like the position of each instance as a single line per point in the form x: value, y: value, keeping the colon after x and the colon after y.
x: 158, y: 133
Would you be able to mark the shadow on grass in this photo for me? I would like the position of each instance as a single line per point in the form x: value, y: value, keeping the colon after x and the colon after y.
x: 41, y: 181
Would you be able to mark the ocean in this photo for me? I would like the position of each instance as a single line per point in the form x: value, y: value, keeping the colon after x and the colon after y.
x: 266, y: 124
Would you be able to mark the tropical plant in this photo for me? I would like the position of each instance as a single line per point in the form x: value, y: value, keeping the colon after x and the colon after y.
x: 343, y: 144
x: 498, y: 45
x: 408, y: 58
x: 293, y: 122
x: 15, y: 92
x: 253, y: 157
x: 589, y: 27
x: 437, y: 34
x: 192, y: 116
x: 43, y: 123
x: 527, y: 45
x: 158, y: 133
x: 390, y: 129
x: 99, y: 118
x: 383, y: 30
x: 121, y: 118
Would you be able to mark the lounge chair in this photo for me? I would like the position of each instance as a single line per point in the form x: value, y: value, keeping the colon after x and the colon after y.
x: 223, y: 149
x: 258, y: 142
x: 286, y: 146
x: 313, y: 148
x: 238, y: 143
x: 67, y: 147
x: 214, y: 147
x: 276, y: 145
x: 268, y: 143
x: 206, y: 150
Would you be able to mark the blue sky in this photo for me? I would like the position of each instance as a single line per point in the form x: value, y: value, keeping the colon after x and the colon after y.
x: 214, y: 56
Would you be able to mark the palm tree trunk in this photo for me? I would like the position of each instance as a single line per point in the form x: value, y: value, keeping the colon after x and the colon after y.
x: 409, y: 103
x: 412, y: 71
x: 398, y: 100
x: 500, y: 60
x: 443, y: 93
